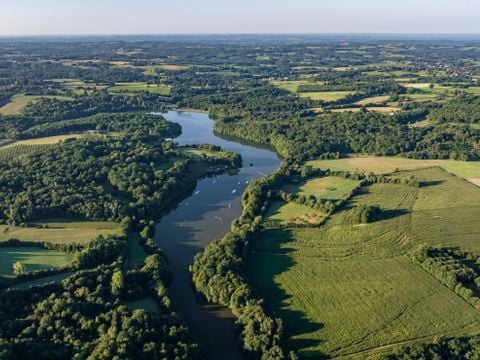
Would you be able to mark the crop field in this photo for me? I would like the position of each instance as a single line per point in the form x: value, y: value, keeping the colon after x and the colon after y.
x: 291, y: 213
x: 17, y: 104
x: 330, y: 187
x: 468, y: 170
x: 292, y: 85
x: 59, y: 231
x: 49, y: 140
x: 134, y: 87
x: 373, y: 100
x: 327, y: 95
x: 32, y: 258
x: 345, y: 289
x: 383, y: 109
x: 8, y: 152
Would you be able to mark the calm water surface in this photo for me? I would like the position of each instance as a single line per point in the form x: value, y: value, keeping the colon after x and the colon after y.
x: 198, y: 220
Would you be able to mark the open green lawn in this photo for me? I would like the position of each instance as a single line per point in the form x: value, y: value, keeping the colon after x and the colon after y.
x: 59, y: 231
x: 281, y: 212
x: 346, y: 289
x: 133, y: 87
x: 32, y: 258
x: 330, y: 187
x: 135, y: 252
x: 469, y: 170
x: 147, y: 304
x: 326, y: 95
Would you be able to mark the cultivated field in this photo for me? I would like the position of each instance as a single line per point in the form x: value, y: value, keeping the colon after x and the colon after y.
x: 373, y: 100
x: 330, y: 187
x: 469, y: 170
x: 17, y: 104
x: 133, y: 87
x: 59, y: 231
x: 345, y: 289
x: 291, y: 213
x: 326, y: 95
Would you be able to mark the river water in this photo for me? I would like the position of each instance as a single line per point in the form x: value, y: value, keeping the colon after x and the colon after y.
x: 198, y: 220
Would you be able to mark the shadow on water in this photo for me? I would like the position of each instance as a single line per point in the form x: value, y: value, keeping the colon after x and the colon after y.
x: 274, y: 244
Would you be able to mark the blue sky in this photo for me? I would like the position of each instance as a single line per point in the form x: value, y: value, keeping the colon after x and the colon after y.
x: 45, y: 17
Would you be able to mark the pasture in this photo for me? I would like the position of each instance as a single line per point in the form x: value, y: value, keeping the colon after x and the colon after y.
x: 330, y: 187
x: 326, y: 95
x: 351, y: 290
x: 468, y: 170
x: 383, y: 109
x: 373, y: 100
x: 281, y: 212
x: 32, y: 258
x: 17, y: 104
x: 59, y: 231
x: 133, y: 87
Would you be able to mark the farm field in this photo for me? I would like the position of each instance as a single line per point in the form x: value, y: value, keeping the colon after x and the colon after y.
x: 18, y: 150
x: 17, y: 104
x: 326, y: 95
x: 330, y: 187
x: 383, y: 109
x: 59, y: 231
x: 289, y: 212
x: 468, y: 170
x: 352, y: 290
x: 32, y: 258
x: 49, y: 140
x: 373, y: 100
x: 291, y: 85
x: 134, y: 87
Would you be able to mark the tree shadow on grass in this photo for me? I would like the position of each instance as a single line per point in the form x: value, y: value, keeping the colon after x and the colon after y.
x: 271, y: 257
x: 390, y: 214
x: 431, y: 183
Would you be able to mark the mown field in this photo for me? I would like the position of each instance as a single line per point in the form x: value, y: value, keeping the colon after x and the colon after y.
x: 59, y: 231
x: 133, y: 87
x: 32, y: 258
x: 17, y: 104
x: 352, y: 290
x: 330, y: 187
x: 326, y: 95
x: 281, y: 212
x: 468, y: 170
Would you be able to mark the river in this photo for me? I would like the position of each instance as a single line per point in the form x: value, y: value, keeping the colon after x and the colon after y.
x: 198, y: 220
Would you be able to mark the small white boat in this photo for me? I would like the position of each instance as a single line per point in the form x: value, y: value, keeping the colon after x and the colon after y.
x: 230, y: 205
x: 234, y: 191
x: 197, y: 192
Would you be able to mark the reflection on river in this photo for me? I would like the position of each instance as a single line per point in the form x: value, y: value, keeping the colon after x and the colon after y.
x: 204, y: 216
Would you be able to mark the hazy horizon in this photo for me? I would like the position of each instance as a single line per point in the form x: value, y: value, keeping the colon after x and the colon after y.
x: 190, y: 17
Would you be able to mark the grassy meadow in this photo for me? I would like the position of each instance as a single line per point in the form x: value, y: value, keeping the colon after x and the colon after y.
x: 32, y: 258
x: 468, y: 170
x: 133, y: 87
x: 284, y: 213
x: 59, y: 231
x: 326, y: 95
x: 330, y: 187
x: 352, y: 290
x: 17, y: 104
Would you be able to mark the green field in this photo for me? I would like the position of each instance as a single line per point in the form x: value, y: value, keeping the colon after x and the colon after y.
x: 352, y: 290
x: 326, y: 95
x: 383, y: 109
x: 59, y: 231
x: 330, y: 187
x: 133, y: 87
x: 42, y: 281
x: 17, y: 104
x: 292, y: 85
x: 32, y: 258
x: 373, y: 100
x: 469, y: 170
x: 281, y: 212
x: 144, y: 304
